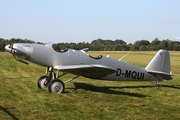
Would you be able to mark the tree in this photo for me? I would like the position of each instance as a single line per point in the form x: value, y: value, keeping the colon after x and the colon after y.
x: 106, y: 45
x: 156, y: 41
x: 117, y: 41
x: 141, y: 43
x: 164, y: 44
x: 155, y: 44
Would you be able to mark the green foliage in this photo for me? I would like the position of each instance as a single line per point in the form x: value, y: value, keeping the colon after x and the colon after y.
x: 108, y: 45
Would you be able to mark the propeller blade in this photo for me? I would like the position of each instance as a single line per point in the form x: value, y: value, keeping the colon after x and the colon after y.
x: 11, y: 46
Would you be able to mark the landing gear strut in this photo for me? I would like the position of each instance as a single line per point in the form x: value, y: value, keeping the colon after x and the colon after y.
x: 51, y: 81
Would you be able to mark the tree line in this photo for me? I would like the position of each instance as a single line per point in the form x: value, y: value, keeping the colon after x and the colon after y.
x: 106, y: 45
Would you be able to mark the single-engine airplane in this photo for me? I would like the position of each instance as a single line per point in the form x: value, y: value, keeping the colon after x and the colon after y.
x: 80, y: 63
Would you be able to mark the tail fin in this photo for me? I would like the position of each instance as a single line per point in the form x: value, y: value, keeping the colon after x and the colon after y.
x: 160, y: 65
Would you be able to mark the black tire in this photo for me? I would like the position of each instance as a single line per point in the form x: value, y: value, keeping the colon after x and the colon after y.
x: 56, y: 86
x: 41, y: 82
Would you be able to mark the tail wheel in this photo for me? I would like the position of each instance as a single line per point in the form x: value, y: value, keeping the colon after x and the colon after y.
x: 56, y: 86
x: 42, y: 82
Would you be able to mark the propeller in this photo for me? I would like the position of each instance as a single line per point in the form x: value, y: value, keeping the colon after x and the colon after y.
x: 11, y: 46
x: 13, y: 51
x: 8, y: 48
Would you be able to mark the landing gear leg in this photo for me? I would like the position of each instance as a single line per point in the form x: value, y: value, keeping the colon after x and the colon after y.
x: 57, y: 86
x: 44, y: 81
x: 51, y: 81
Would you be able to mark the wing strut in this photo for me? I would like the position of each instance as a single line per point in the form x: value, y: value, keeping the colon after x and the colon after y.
x: 71, y: 79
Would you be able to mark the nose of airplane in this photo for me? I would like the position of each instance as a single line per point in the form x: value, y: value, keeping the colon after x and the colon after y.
x: 8, y: 48
x: 20, y: 50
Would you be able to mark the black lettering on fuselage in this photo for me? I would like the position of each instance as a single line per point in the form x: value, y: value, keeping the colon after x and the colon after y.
x: 140, y: 75
x: 134, y: 75
x: 130, y: 74
x: 118, y: 73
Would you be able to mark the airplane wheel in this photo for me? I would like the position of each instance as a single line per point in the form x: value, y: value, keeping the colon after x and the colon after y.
x: 56, y: 86
x: 41, y: 82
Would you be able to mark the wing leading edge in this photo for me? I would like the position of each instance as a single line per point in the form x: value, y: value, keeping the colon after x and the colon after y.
x: 94, y: 71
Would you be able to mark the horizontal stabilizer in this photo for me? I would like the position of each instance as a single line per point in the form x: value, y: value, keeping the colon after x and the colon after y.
x: 161, y: 75
x: 91, y: 71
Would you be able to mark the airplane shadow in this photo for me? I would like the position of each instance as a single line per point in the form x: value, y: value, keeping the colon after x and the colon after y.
x: 10, y: 114
x: 171, y: 86
x: 18, y: 78
x: 107, y: 90
x: 110, y: 91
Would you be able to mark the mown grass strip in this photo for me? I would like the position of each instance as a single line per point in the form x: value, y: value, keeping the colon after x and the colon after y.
x: 85, y: 98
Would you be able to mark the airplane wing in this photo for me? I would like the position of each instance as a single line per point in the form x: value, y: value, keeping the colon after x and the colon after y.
x: 94, y: 71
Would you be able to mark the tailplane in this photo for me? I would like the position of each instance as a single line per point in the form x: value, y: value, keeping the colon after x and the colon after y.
x: 160, y: 65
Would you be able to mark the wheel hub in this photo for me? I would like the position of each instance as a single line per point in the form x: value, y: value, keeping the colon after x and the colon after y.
x: 57, y: 87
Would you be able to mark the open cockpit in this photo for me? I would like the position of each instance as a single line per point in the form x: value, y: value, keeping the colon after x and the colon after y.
x: 97, y: 58
x: 83, y: 50
x: 62, y: 50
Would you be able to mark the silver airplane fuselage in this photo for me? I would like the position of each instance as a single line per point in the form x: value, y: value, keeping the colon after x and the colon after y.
x: 46, y: 56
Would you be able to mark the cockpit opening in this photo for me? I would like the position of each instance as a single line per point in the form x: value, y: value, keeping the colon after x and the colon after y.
x: 98, y: 57
x: 62, y: 50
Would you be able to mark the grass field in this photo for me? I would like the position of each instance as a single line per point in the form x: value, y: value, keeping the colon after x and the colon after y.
x: 88, y: 99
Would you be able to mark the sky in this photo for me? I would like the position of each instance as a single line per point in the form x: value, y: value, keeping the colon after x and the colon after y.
x: 87, y: 20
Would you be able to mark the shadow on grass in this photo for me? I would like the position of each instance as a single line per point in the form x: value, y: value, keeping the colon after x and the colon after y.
x: 10, y: 114
x: 18, y: 78
x: 171, y: 86
x: 108, y: 89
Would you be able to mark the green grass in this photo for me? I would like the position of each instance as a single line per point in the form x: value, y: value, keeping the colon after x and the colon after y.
x: 85, y: 98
